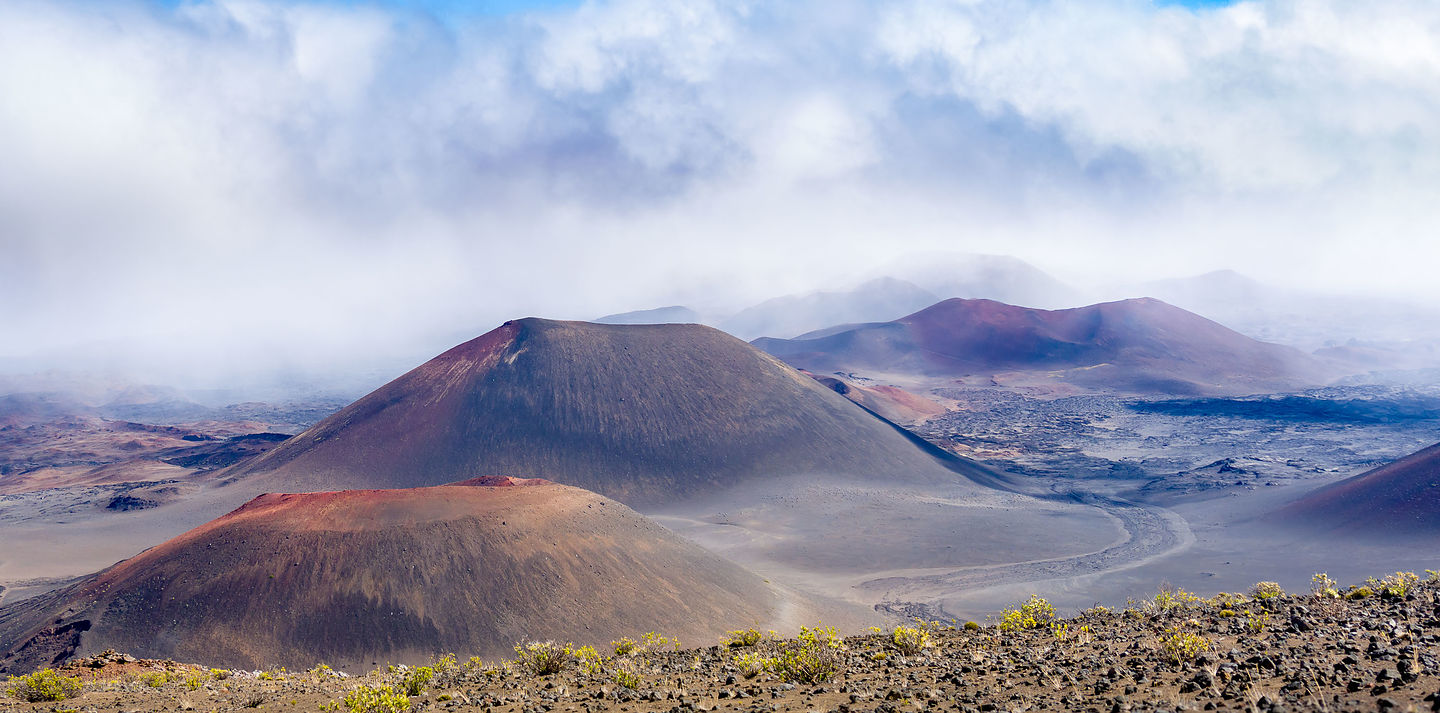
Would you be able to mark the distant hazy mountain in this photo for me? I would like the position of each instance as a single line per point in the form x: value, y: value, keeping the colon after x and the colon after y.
x: 676, y: 314
x: 904, y: 287
x: 993, y: 277
x: 25, y: 409
x: 877, y: 300
x: 156, y: 404
x: 1140, y: 345
x: 1379, y: 331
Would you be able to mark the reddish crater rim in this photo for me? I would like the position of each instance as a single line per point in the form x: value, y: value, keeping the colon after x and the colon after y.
x: 485, y: 481
x: 500, y: 481
x: 982, y: 309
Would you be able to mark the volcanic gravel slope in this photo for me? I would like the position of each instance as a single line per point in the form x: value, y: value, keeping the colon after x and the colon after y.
x: 1140, y: 345
x: 1288, y: 653
x: 646, y: 414
x: 1400, y: 500
x: 352, y: 577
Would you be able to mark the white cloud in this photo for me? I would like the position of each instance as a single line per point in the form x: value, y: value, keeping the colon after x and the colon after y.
x: 359, y: 166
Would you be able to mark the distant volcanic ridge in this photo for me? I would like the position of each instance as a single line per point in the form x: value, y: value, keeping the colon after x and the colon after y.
x: 355, y: 577
x: 646, y: 414
x: 1140, y: 345
x: 1397, y: 501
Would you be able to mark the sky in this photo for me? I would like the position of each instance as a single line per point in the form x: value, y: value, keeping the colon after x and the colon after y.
x: 232, y: 182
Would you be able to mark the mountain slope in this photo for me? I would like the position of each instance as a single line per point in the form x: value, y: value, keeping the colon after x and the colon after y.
x: 977, y: 276
x: 676, y: 314
x: 1398, y: 500
x: 880, y: 299
x: 648, y: 415
x: 353, y: 577
x: 1133, y: 345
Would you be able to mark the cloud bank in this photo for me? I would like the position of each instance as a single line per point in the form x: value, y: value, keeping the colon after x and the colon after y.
x: 253, y: 179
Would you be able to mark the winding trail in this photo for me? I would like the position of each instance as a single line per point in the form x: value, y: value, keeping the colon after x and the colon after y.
x: 1152, y: 532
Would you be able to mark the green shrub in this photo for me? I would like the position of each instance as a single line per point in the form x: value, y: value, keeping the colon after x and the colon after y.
x: 155, y: 679
x: 1323, y: 587
x: 910, y: 640
x: 1396, y: 585
x: 627, y: 678
x: 43, y: 685
x: 416, y: 680
x: 1181, y: 646
x: 812, y: 657
x: 543, y: 658
x: 1358, y: 593
x: 376, y: 699
x: 1032, y: 614
x: 1266, y: 590
x: 590, y: 660
x: 742, y: 637
x: 1226, y: 600
x: 651, y: 641
x: 972, y: 626
x: 1257, y: 623
x: 751, y: 664
x: 1171, y: 598
x: 447, y: 671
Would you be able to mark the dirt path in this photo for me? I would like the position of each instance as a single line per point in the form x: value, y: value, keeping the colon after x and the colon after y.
x: 1153, y: 532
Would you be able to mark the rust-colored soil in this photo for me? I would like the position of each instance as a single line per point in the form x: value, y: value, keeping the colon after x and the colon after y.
x: 356, y: 577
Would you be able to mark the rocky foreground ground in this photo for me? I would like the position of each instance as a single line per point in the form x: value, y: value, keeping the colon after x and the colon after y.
x: 1377, y: 649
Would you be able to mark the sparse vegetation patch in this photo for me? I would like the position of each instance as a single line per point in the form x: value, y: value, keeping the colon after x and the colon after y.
x: 43, y: 685
x: 543, y: 658
x: 376, y: 699
x: 742, y: 638
x: 812, y: 657
x: 1181, y: 646
x: 1266, y: 590
x: 1312, y: 651
x: 910, y: 640
x: 1032, y: 614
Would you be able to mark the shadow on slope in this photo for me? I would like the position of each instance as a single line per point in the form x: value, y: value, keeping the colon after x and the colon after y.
x: 1398, y: 501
